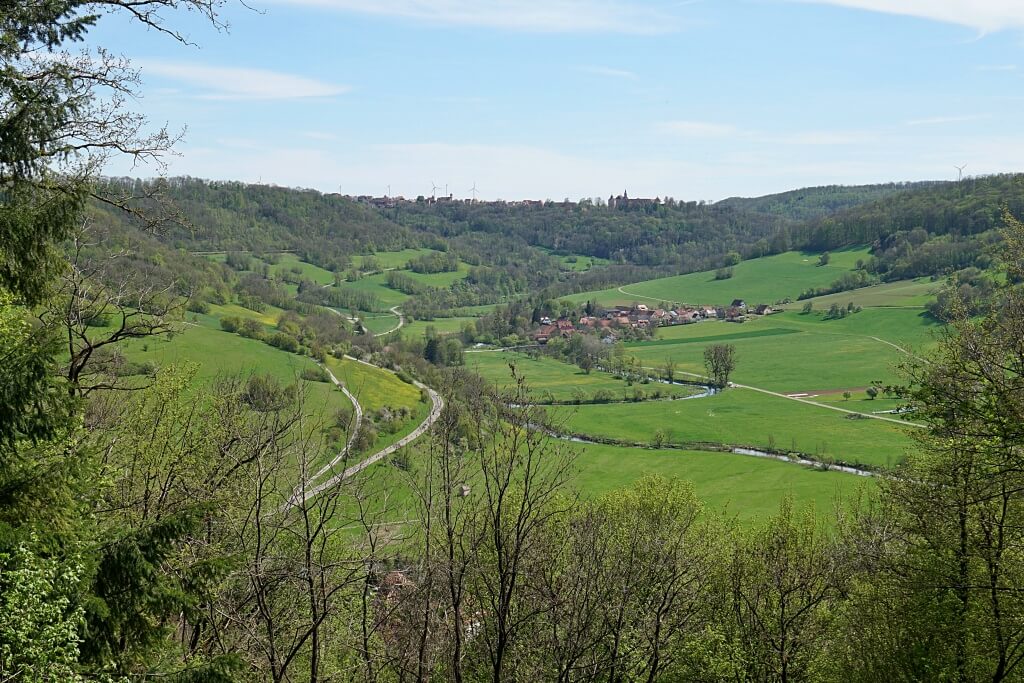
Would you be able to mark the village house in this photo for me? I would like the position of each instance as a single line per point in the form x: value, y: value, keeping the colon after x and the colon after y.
x: 764, y: 309
x: 735, y: 315
x: 544, y: 333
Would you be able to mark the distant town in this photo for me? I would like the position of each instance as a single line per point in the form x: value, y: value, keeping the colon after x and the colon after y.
x: 642, y: 317
x: 622, y: 201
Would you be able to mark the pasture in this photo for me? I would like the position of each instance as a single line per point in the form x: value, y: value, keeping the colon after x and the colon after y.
x: 551, y: 380
x: 377, y: 286
x: 762, y: 280
x: 290, y: 263
x: 745, y: 487
x: 899, y: 294
x: 791, y: 352
x: 392, y: 259
x: 418, y: 328
x: 746, y: 418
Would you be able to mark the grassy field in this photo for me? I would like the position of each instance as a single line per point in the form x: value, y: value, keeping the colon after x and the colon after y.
x: 288, y: 262
x: 553, y: 380
x: 376, y: 285
x: 418, y: 328
x: 374, y: 388
x: 577, y: 262
x: 748, y: 488
x: 268, y: 316
x: 218, y: 353
x: 440, y: 280
x: 393, y: 259
x: 743, y: 487
x: 901, y: 294
x: 379, y: 324
x: 745, y: 417
x: 791, y: 352
x: 763, y: 280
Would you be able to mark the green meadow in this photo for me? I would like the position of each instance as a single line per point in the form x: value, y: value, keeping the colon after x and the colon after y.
x: 763, y: 280
x: 393, y: 259
x: 745, y: 487
x: 379, y: 323
x: 377, y: 286
x: 793, y: 352
x: 218, y: 353
x: 374, y: 388
x: 440, y: 280
x: 268, y: 316
x: 418, y: 328
x: 290, y: 262
x: 577, y: 262
x: 901, y: 294
x: 549, y: 379
x: 745, y: 417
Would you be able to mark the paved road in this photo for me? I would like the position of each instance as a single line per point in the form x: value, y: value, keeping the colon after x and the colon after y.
x: 352, y: 434
x: 437, y: 404
x: 401, y: 321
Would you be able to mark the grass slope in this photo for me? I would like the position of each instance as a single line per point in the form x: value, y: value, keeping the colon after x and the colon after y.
x: 763, y: 280
x: 749, y: 488
x: 393, y: 259
x: 745, y: 417
x: 790, y: 352
x: 418, y: 328
x: 290, y: 262
x: 548, y: 377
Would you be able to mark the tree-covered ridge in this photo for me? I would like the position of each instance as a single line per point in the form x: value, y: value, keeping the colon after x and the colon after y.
x: 815, y: 202
x: 323, y: 229
x: 960, y: 209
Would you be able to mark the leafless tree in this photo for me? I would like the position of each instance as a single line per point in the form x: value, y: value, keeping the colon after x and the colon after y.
x: 100, y: 303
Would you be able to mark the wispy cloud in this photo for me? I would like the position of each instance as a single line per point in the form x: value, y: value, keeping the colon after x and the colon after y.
x: 983, y: 15
x: 549, y: 16
x: 606, y: 71
x: 233, y: 83
x: 697, y: 129
x: 942, y: 120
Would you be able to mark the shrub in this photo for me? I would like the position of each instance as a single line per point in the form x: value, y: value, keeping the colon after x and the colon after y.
x: 198, y: 306
x: 230, y: 323
x: 251, y: 329
x: 285, y: 342
x: 265, y: 394
x: 315, y: 374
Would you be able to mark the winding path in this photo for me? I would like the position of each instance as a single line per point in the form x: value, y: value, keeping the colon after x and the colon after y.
x: 803, y: 400
x: 358, y: 409
x: 622, y: 290
x: 401, y: 321
x: 303, y: 494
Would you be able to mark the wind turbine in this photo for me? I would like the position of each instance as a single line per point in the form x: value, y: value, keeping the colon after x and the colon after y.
x: 959, y: 172
x: 389, y: 190
x: 434, y: 188
x: 473, y: 190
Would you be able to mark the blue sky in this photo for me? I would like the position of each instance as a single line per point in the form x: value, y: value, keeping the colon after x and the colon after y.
x: 581, y: 98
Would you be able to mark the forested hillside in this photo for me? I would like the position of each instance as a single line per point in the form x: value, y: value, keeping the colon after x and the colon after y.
x: 957, y: 209
x: 816, y: 202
